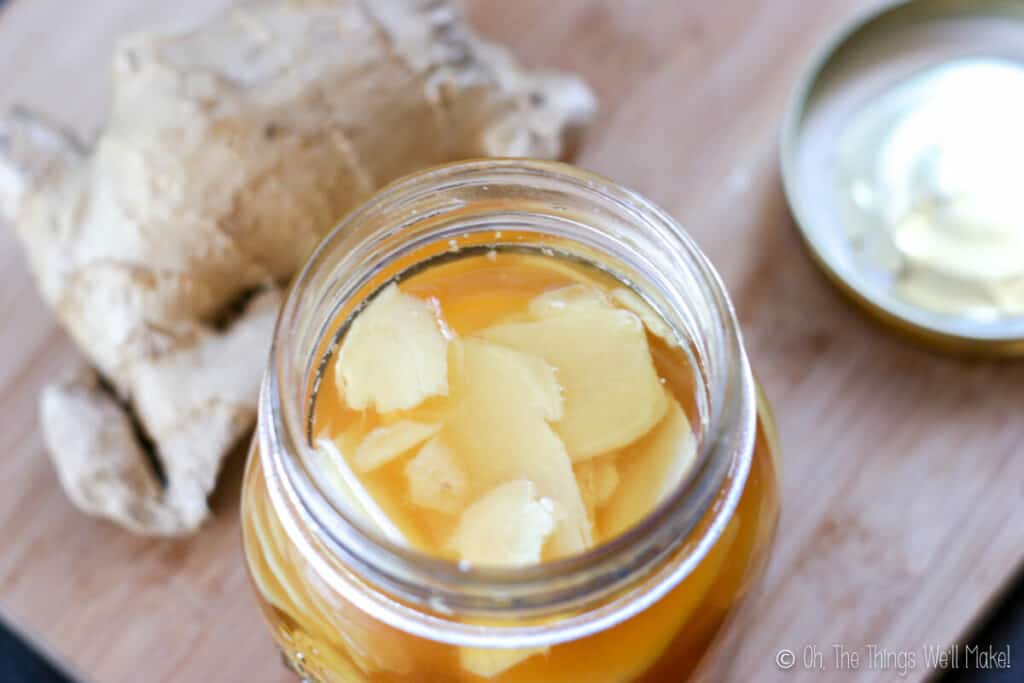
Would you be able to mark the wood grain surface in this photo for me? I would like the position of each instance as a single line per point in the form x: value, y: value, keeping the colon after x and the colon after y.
x: 903, y: 471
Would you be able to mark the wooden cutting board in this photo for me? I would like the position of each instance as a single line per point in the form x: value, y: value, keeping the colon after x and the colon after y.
x: 903, y: 471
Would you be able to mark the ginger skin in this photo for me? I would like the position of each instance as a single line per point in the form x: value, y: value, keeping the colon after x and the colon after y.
x: 229, y: 153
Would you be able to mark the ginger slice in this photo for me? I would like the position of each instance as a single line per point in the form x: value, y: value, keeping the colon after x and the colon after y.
x: 498, y: 425
x: 435, y: 479
x: 489, y: 663
x: 539, y: 383
x: 507, y: 527
x: 394, y: 356
x: 349, y: 438
x: 630, y: 300
x: 598, y: 478
x: 349, y: 492
x: 386, y: 443
x: 650, y: 470
x: 558, y: 268
x: 612, y: 392
x: 557, y: 300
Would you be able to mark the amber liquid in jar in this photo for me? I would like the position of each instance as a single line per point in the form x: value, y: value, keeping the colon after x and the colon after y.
x: 471, y: 292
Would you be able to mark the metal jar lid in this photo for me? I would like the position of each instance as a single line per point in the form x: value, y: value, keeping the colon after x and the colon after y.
x: 903, y: 163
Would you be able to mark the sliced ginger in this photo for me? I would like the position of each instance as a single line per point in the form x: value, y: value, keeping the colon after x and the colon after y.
x: 435, y: 479
x: 613, y: 395
x: 506, y: 527
x: 650, y: 470
x: 632, y: 301
x: 491, y: 663
x: 554, y: 302
x: 499, y: 426
x: 386, y: 443
x: 597, y: 478
x: 548, y: 429
x: 395, y: 355
x: 349, y: 491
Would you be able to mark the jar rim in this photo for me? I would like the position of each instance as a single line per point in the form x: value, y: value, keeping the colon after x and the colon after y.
x: 427, y: 587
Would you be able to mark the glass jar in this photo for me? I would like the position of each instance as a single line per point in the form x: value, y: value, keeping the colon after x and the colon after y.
x: 654, y: 604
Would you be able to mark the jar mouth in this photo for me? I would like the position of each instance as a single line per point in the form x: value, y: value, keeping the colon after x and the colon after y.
x: 607, y: 584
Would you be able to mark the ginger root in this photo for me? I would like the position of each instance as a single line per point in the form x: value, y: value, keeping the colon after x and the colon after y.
x: 230, y: 151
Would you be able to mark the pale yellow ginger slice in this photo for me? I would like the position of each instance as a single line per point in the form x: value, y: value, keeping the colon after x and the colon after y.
x: 342, y: 484
x: 564, y: 268
x: 502, y: 401
x: 650, y: 470
x: 394, y: 356
x: 630, y: 300
x: 349, y: 438
x: 539, y: 382
x: 597, y: 478
x: 557, y: 300
x: 386, y: 443
x: 491, y: 663
x: 436, y: 481
x: 611, y: 390
x: 506, y: 528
